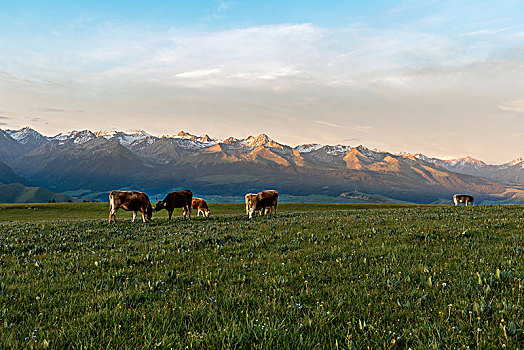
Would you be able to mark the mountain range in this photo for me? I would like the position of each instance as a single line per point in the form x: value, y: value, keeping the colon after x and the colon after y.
x: 90, y: 164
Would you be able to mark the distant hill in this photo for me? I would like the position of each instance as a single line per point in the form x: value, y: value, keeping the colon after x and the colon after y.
x: 18, y: 193
x: 16, y: 189
x: 94, y: 163
x: 7, y: 176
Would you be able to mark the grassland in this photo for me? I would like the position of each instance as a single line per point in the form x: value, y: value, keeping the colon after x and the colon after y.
x: 317, y: 276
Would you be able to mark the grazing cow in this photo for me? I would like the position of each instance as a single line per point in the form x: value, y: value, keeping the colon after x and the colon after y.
x: 180, y: 199
x: 130, y: 201
x: 201, y: 206
x: 463, y: 198
x: 263, y: 202
x: 249, y: 197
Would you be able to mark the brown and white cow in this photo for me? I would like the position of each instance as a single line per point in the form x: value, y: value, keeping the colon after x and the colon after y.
x: 201, y: 206
x: 130, y: 201
x: 463, y: 198
x: 180, y: 199
x: 263, y: 202
x: 249, y: 197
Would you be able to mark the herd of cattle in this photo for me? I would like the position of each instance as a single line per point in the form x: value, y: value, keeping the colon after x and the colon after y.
x: 261, y: 203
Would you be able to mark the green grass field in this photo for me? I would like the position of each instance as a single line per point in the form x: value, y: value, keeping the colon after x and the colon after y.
x: 317, y: 276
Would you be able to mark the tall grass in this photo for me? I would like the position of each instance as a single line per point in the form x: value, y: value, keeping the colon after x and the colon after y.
x: 378, y: 277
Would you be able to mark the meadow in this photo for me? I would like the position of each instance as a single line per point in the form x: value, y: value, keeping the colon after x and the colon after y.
x: 345, y: 276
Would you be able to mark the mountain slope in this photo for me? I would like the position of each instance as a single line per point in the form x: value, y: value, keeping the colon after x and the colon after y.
x: 96, y: 164
x: 7, y: 176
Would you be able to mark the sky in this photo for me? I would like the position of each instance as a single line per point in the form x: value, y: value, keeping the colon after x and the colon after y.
x: 444, y: 78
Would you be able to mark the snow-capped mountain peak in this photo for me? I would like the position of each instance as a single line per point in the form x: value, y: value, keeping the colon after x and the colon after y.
x: 25, y: 135
x: 261, y: 140
x: 205, y: 139
x: 78, y: 137
x: 308, y: 147
x: 125, y: 139
x: 107, y: 134
x: 517, y: 162
x: 466, y: 160
x: 338, y: 149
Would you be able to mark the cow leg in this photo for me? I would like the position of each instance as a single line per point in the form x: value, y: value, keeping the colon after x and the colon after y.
x: 189, y: 209
x: 143, y: 216
x: 169, y: 213
x: 112, y: 215
x: 134, y: 216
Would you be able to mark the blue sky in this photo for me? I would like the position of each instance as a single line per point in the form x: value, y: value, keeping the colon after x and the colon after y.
x: 397, y: 75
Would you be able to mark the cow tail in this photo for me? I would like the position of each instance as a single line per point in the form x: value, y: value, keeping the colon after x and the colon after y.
x: 190, y: 204
x: 111, y: 202
x: 276, y: 204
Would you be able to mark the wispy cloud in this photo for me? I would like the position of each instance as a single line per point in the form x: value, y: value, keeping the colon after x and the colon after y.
x: 486, y: 31
x: 58, y: 110
x: 513, y: 106
x: 199, y: 73
x: 353, y: 140
x: 357, y: 128
x: 329, y: 124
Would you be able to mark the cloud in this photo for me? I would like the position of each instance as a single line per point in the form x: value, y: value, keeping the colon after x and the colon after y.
x: 58, y: 110
x: 513, y: 106
x: 486, y: 31
x: 357, y: 128
x: 330, y: 124
x: 273, y: 57
x: 199, y: 73
x: 353, y: 140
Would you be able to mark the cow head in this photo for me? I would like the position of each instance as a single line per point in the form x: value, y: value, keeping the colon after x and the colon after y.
x: 251, y: 211
x: 207, y: 212
x: 160, y: 205
x: 149, y: 212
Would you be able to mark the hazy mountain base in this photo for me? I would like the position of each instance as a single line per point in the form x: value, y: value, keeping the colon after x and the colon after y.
x: 348, y: 198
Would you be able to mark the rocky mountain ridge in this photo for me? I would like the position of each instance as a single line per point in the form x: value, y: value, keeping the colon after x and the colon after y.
x: 87, y: 163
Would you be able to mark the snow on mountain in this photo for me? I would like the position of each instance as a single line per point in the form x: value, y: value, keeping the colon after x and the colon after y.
x: 309, y: 147
x: 125, y: 139
x: 261, y: 140
x: 205, y: 139
x: 105, y: 134
x: 518, y: 161
x: 78, y: 137
x: 419, y: 156
x: 338, y: 149
x: 25, y: 135
x: 466, y: 160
